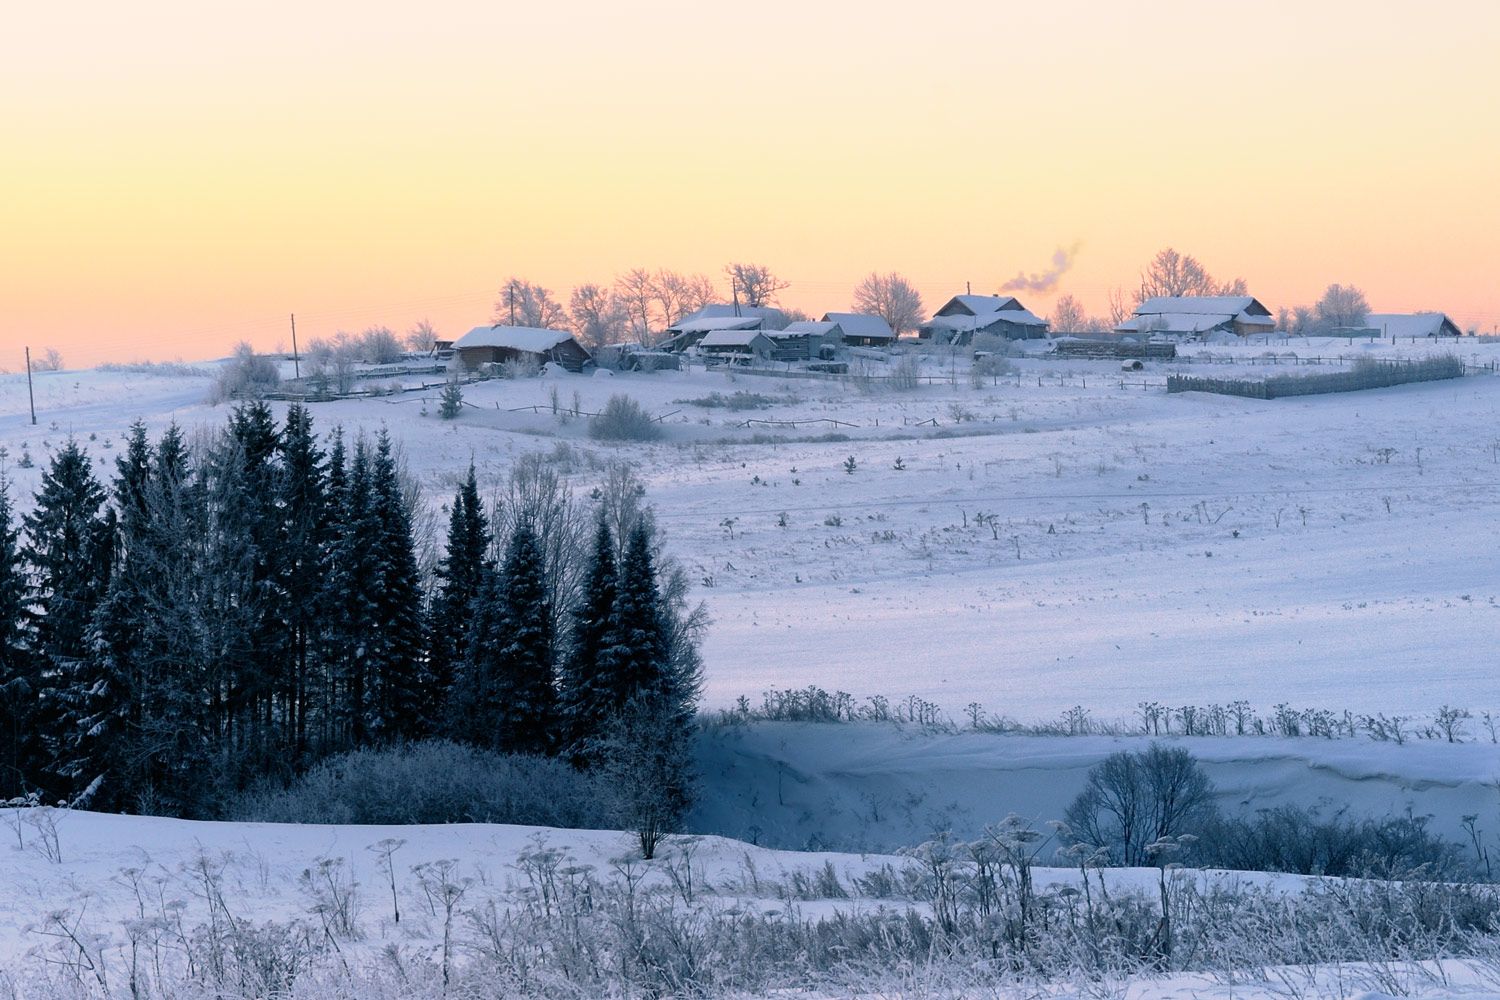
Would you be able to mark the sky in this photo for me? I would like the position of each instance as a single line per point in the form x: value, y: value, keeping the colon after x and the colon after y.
x: 176, y: 177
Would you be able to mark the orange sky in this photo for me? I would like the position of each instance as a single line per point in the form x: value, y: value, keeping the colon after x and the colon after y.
x: 178, y: 176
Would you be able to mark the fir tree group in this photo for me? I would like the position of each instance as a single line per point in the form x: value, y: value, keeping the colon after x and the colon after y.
x: 222, y: 616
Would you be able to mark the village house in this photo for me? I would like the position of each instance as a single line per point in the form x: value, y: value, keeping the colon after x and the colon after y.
x: 1197, y: 315
x: 964, y: 317
x: 485, y: 345
x: 861, y: 329
x: 685, y: 333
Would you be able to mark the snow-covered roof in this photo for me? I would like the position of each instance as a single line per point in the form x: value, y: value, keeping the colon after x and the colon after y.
x: 1433, y: 324
x: 979, y: 304
x: 860, y: 324
x: 708, y: 324
x: 1176, y: 323
x: 531, y: 339
x: 1020, y: 317
x: 769, y: 315
x: 730, y: 338
x: 803, y: 328
x: 1225, y: 305
x: 1196, y: 313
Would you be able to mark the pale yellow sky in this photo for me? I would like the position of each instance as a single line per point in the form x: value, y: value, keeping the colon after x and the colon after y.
x: 178, y: 176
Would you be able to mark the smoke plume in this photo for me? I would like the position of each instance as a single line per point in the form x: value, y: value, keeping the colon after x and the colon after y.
x: 1044, y: 281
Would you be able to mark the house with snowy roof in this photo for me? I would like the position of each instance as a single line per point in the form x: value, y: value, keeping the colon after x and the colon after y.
x: 736, y: 346
x: 1197, y: 315
x: 860, y: 329
x: 691, y: 330
x: 1423, y: 324
x: 485, y: 345
x: 964, y: 317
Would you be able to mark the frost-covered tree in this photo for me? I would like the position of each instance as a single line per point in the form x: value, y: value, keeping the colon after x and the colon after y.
x: 525, y: 303
x: 1133, y: 799
x: 599, y: 317
x: 1341, y: 306
x: 755, y: 284
x: 891, y: 297
x: 1171, y: 274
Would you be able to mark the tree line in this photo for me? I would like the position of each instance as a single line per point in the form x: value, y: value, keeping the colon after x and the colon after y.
x: 229, y: 611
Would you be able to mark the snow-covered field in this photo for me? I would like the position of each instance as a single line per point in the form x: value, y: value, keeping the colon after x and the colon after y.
x: 1039, y: 546
x: 1064, y: 535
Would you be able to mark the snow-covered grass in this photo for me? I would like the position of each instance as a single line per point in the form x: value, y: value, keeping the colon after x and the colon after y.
x: 133, y: 906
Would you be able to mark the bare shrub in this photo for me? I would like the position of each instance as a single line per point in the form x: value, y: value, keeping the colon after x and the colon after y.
x: 432, y: 782
x: 623, y: 419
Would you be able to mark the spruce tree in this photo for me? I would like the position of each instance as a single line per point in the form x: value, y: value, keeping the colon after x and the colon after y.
x: 506, y: 696
x: 100, y: 749
x: 586, y: 696
x: 633, y: 660
x: 460, y: 579
x: 69, y: 545
x: 398, y: 644
x: 302, y: 502
x: 16, y: 692
x: 264, y: 672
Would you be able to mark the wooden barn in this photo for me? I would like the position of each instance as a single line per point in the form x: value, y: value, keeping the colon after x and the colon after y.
x: 1426, y: 324
x: 804, y: 340
x: 964, y: 317
x: 486, y: 345
x: 1197, y: 315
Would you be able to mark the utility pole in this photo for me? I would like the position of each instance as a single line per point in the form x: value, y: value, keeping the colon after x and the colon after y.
x: 30, y: 396
x: 734, y: 290
x: 296, y: 363
x: 510, y: 296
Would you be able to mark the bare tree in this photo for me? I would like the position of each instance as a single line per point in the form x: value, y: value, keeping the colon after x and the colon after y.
x: 599, y: 317
x: 422, y: 337
x: 1119, y: 308
x: 633, y: 291
x: 754, y: 283
x: 1171, y: 274
x: 1068, y: 316
x: 1341, y: 306
x: 892, y: 298
x: 49, y: 360
x: 523, y: 303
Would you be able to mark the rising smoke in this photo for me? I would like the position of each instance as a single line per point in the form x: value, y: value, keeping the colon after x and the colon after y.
x: 1044, y: 281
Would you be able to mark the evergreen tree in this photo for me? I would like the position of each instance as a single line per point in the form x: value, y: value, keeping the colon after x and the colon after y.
x: 16, y: 692
x: 265, y: 672
x: 460, y: 579
x: 302, y: 501
x: 397, y: 645
x: 69, y: 545
x: 350, y: 600
x: 587, y: 699
x: 506, y: 697
x: 633, y: 660
x: 100, y: 749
